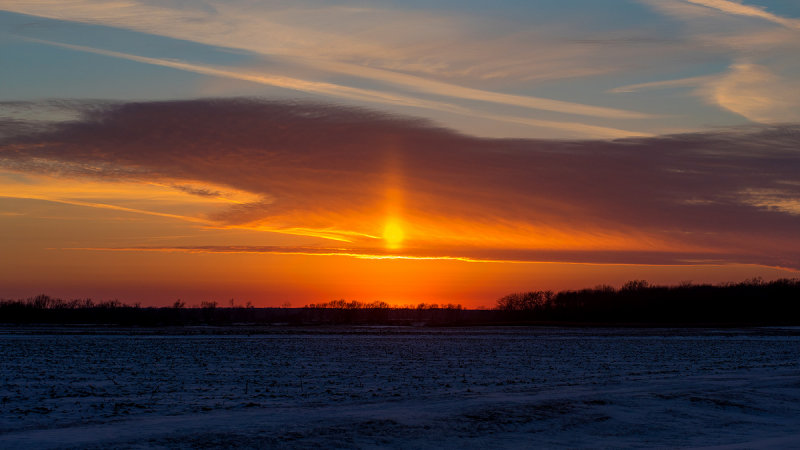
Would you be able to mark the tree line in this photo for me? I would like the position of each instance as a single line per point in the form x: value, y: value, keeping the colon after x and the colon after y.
x: 48, y: 310
x: 637, y: 302
x: 752, y: 301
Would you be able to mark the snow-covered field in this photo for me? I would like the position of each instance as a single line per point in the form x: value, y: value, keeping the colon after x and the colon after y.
x: 399, y: 387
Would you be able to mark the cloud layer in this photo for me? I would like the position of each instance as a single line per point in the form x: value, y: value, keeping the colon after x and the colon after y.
x: 729, y: 195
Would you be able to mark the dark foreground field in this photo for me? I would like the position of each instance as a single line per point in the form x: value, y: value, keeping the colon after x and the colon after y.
x: 398, y: 387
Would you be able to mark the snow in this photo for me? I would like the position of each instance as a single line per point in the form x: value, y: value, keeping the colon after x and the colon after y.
x: 399, y: 387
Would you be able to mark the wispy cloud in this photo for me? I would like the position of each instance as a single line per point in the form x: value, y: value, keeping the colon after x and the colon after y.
x: 384, y: 97
x: 740, y: 9
x: 449, y: 45
x: 271, y: 80
x: 664, y: 84
x: 450, y: 90
x: 106, y: 206
x: 755, y: 92
x: 773, y: 199
x: 750, y: 90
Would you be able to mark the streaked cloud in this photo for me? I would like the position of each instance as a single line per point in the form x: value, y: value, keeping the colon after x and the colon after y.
x: 638, y: 258
x: 451, y: 90
x: 773, y: 199
x: 740, y: 9
x: 382, y: 97
x: 450, y: 45
x: 664, y: 84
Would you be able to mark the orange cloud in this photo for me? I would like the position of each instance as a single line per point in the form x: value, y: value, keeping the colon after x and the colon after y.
x: 342, y: 174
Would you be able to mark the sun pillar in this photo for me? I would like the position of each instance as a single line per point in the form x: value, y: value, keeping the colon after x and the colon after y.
x: 393, y: 228
x: 393, y: 233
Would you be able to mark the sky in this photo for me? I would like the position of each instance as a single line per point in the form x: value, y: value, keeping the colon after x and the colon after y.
x: 440, y: 152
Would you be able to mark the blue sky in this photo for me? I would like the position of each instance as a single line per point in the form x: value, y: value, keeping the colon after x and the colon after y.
x: 546, y: 69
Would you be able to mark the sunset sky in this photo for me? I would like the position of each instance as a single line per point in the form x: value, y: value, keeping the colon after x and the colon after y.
x: 438, y: 152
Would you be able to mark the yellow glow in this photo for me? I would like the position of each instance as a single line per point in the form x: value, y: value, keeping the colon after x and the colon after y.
x: 393, y: 234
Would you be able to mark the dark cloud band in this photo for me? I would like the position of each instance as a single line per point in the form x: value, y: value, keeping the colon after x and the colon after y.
x: 729, y: 194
